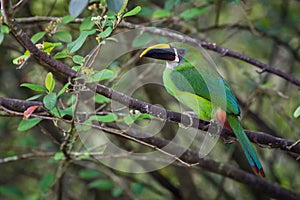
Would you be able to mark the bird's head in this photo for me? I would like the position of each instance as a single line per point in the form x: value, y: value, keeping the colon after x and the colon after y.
x: 166, y: 52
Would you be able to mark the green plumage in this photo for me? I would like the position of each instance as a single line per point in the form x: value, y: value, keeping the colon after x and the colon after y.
x: 203, y: 90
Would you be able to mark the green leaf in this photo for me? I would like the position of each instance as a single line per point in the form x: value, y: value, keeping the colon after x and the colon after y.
x: 47, y: 181
x: 297, y: 112
x: 128, y: 120
x: 77, y: 44
x: 115, y: 5
x: 137, y: 188
x: 111, y: 117
x: 89, y: 173
x: 76, y: 68
x: 105, y: 33
x: 68, y: 111
x: 169, y: 4
x: 21, y: 59
x: 134, y: 11
x: 1, y: 37
x: 99, y: 98
x: 193, y: 12
x: 142, y: 40
x: 34, y: 87
x: 87, y: 24
x: 116, y: 192
x: 36, y: 37
x: 27, y: 124
x: 59, y: 156
x: 61, y: 54
x: 49, y: 46
x: 34, y: 97
x: 10, y: 191
x: 63, y: 36
x: 161, y: 13
x: 4, y: 29
x: 78, y: 59
x: 101, y: 75
x: 101, y: 184
x: 49, y: 101
x: 50, y: 82
x: 67, y: 19
x: 63, y: 89
x: 77, y: 6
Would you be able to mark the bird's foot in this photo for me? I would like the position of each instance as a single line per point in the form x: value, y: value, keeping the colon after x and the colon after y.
x: 229, y: 141
x: 190, y: 115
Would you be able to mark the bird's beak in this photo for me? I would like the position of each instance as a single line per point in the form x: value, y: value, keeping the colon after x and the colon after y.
x: 161, y: 52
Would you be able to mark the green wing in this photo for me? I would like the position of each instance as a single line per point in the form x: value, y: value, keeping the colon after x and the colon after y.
x: 214, y: 88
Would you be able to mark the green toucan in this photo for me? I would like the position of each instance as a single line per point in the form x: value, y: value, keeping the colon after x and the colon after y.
x: 193, y: 82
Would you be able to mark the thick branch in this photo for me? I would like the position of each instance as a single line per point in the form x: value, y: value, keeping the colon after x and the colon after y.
x: 256, y: 137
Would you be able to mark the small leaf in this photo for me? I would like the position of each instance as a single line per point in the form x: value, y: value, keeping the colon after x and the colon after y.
x: 58, y: 156
x: 34, y: 87
x: 76, y: 68
x: 134, y: 11
x: 1, y: 37
x: 47, y: 181
x: 111, y: 117
x: 77, y: 6
x: 49, y: 46
x: 4, y: 29
x: 63, y: 36
x: 297, y: 112
x: 49, y: 101
x: 161, y: 13
x: 116, y: 192
x: 67, y: 19
x: 36, y: 37
x: 101, y: 75
x: 10, y: 191
x: 99, y: 98
x: 63, y: 89
x: 50, y: 82
x: 21, y: 59
x: 68, y: 111
x: 128, y: 120
x: 105, y: 33
x: 29, y: 111
x: 61, y: 54
x: 78, y: 59
x: 77, y: 44
x: 193, y: 12
x: 87, y: 24
x: 89, y: 173
x: 137, y: 188
x: 34, y: 97
x: 101, y: 184
x: 28, y: 124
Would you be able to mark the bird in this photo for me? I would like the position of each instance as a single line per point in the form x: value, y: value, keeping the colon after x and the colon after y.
x: 191, y: 78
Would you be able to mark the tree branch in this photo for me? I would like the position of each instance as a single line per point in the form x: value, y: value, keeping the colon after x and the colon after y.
x: 215, y: 48
x: 204, y: 44
x: 260, y: 138
x: 193, y: 157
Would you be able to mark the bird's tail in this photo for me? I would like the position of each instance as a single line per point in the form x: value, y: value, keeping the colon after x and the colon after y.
x: 246, y: 144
